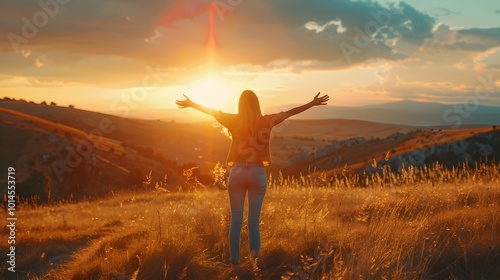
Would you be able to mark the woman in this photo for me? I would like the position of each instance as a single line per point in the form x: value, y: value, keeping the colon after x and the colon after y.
x: 248, y: 154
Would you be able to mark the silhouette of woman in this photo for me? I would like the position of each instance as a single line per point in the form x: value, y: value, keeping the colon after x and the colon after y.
x: 248, y: 154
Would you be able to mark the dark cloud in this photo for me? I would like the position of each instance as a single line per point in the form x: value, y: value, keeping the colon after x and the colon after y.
x: 445, y: 11
x: 365, y: 29
x: 406, y: 21
x: 414, y: 25
x: 83, y: 38
x: 89, y: 27
x: 473, y: 39
x: 489, y: 33
x: 360, y: 34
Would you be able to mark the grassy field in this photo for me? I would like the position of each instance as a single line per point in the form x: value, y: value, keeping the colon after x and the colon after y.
x: 421, y: 224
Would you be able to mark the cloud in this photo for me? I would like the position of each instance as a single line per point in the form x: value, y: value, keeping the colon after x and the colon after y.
x: 454, y: 40
x: 446, y: 76
x: 446, y: 12
x: 418, y: 25
x: 336, y: 33
x: 81, y: 40
x: 181, y: 10
x: 487, y: 33
x: 440, y: 91
x: 89, y: 21
x: 86, y: 38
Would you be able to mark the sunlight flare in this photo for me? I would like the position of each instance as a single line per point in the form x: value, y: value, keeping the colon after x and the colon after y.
x: 214, y: 92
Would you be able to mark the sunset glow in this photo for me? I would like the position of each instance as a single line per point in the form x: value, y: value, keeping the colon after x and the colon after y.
x: 214, y: 92
x: 358, y: 52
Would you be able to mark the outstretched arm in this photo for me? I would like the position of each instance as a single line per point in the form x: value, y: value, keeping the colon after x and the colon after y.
x: 189, y: 103
x: 317, y: 100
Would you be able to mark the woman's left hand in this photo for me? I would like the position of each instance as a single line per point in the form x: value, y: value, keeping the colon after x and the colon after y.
x: 184, y: 103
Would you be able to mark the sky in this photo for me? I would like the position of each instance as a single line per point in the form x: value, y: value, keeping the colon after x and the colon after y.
x: 135, y: 58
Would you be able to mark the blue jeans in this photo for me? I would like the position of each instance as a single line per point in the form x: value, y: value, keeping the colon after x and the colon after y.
x: 245, y: 177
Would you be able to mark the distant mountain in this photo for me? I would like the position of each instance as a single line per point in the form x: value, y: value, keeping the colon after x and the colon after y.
x: 411, y: 113
x: 406, y: 113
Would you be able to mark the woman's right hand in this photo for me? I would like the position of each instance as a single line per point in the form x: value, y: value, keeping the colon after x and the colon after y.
x: 184, y: 103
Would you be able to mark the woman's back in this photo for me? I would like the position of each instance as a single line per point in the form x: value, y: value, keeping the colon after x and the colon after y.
x: 250, y: 140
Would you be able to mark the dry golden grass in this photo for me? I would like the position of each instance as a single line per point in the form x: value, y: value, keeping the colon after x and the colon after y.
x: 402, y: 227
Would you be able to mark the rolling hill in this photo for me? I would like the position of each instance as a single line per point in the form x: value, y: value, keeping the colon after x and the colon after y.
x: 449, y: 147
x: 68, y: 153
x: 63, y: 153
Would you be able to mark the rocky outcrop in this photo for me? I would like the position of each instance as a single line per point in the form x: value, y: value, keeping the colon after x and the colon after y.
x: 474, y: 148
x: 336, y: 154
x: 328, y: 149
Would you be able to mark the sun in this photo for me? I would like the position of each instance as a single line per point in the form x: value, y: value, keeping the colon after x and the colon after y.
x: 214, y: 92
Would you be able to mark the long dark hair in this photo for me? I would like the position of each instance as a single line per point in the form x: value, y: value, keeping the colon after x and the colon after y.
x: 249, y: 111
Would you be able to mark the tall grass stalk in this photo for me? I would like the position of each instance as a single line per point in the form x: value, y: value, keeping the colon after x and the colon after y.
x: 422, y: 223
